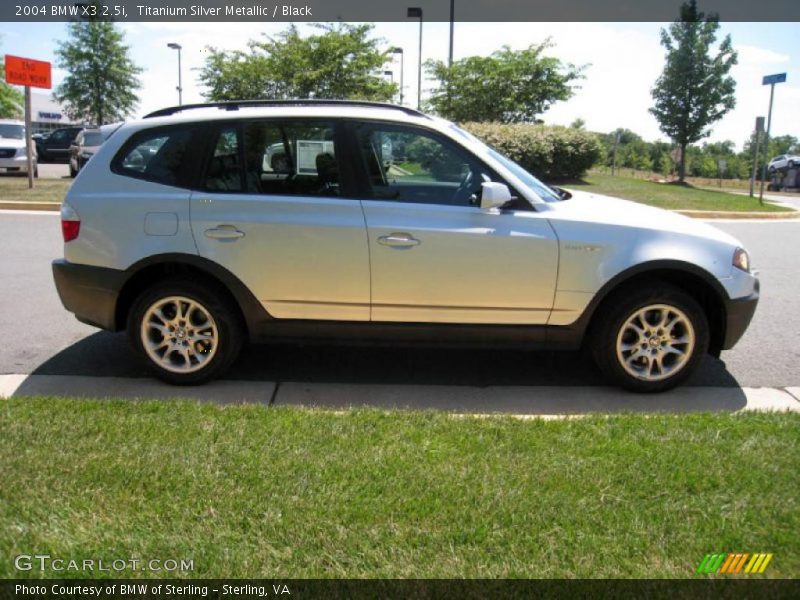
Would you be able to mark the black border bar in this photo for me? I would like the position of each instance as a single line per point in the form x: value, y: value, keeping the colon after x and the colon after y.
x: 391, y: 10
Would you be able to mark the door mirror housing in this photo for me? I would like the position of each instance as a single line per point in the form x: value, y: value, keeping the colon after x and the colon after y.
x: 494, y: 194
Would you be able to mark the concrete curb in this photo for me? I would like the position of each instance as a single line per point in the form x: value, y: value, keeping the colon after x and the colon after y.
x: 712, y: 214
x: 40, y: 206
x: 524, y: 402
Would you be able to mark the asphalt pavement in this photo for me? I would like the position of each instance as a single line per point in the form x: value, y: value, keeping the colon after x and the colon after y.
x: 43, y: 340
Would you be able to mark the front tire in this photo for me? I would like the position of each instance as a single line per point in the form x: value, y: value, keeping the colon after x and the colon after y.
x: 651, y: 339
x: 186, y: 333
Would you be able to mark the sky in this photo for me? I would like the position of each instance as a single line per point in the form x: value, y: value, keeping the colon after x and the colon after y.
x: 623, y: 62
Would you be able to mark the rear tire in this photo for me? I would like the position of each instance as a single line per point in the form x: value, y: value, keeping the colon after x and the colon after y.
x: 186, y: 332
x: 649, y: 339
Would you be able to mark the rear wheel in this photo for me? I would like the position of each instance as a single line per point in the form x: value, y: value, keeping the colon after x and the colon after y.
x: 186, y: 333
x: 650, y: 340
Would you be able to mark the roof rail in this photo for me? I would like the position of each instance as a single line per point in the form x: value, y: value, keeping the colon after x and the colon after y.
x: 237, y: 104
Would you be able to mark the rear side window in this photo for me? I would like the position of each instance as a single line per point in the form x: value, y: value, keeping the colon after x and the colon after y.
x: 155, y: 155
x: 291, y: 159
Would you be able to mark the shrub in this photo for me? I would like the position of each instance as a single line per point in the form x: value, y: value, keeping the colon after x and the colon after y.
x: 548, y: 152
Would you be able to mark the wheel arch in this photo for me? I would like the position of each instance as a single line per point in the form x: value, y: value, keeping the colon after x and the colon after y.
x: 159, y: 267
x: 693, y: 280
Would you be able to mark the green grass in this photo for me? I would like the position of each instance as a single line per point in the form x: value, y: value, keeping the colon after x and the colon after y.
x: 669, y: 196
x: 15, y: 189
x: 248, y: 491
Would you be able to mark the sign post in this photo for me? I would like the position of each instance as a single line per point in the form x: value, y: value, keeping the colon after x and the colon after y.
x: 769, y: 80
x: 759, y: 129
x: 29, y: 73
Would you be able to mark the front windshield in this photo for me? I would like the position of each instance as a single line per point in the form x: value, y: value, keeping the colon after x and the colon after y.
x: 12, y: 131
x: 540, y: 189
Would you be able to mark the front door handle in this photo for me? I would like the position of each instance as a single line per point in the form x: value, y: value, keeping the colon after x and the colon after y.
x: 224, y: 232
x: 399, y: 240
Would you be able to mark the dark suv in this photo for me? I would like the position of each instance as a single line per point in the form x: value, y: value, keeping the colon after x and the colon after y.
x: 55, y: 147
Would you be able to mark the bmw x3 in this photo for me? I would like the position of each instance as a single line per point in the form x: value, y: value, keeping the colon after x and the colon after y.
x: 202, y: 227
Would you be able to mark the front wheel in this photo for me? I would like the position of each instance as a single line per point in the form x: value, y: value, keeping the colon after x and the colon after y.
x: 186, y: 333
x: 650, y: 340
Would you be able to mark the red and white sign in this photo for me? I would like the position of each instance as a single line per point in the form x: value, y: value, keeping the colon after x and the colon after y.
x: 28, y: 72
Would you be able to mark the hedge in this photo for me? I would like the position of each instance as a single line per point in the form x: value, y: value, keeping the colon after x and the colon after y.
x: 548, y: 152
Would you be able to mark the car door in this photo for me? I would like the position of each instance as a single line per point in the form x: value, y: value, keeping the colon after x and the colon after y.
x: 275, y: 212
x: 435, y: 255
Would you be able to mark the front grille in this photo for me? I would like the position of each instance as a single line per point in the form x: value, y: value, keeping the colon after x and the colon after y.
x: 7, y: 152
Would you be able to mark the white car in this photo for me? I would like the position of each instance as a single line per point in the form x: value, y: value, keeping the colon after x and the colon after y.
x: 13, y: 155
x: 179, y: 231
x: 783, y: 161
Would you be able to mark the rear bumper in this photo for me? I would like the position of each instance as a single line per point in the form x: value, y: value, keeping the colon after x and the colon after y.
x: 738, y: 314
x: 89, y: 292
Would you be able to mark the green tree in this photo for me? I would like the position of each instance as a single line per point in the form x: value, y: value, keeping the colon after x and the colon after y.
x: 508, y: 87
x: 341, y: 61
x: 11, y: 99
x: 101, y: 82
x: 695, y: 89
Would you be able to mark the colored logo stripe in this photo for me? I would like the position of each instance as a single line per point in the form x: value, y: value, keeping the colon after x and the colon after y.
x: 733, y: 563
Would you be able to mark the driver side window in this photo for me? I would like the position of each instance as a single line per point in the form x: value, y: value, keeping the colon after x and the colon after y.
x: 411, y: 166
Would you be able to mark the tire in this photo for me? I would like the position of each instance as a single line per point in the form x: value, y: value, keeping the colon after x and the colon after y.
x: 636, y: 330
x: 209, y: 318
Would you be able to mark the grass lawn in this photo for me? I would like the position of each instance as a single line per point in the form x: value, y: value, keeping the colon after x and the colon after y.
x: 15, y: 189
x: 670, y: 196
x: 247, y: 491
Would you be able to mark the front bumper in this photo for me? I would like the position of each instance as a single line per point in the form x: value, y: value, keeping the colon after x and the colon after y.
x: 89, y: 292
x: 738, y: 314
x: 17, y: 164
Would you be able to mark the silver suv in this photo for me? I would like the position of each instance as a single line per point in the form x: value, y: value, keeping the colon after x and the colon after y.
x: 200, y: 227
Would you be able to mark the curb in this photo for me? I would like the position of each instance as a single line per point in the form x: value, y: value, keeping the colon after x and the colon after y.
x: 43, y: 206
x: 713, y: 214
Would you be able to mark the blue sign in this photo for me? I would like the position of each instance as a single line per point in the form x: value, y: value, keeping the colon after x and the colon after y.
x: 773, y: 79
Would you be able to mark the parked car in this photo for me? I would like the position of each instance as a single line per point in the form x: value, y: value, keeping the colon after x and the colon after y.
x: 55, y: 147
x: 179, y: 231
x: 783, y: 161
x: 13, y: 152
x: 86, y: 144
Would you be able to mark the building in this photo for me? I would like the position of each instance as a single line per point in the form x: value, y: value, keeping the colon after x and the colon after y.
x: 47, y: 114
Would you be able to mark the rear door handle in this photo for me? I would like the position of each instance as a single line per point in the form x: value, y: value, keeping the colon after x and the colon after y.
x: 224, y: 232
x: 399, y: 240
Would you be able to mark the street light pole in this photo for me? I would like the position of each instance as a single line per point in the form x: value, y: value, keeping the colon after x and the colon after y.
x: 402, y: 69
x: 414, y: 13
x: 178, y: 47
x: 452, y: 27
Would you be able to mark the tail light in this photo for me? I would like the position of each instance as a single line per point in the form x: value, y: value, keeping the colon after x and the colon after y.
x: 70, y: 223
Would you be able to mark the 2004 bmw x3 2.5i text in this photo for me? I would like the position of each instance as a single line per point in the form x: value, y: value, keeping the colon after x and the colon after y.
x: 200, y: 227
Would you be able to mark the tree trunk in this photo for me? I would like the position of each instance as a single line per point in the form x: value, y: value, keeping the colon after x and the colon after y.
x: 682, y: 168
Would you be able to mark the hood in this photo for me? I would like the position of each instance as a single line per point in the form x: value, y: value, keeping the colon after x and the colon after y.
x: 596, y: 208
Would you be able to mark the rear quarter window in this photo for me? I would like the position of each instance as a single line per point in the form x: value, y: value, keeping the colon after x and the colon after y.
x: 159, y: 155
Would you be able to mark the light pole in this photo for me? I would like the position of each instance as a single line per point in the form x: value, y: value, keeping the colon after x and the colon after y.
x: 769, y: 80
x: 452, y: 26
x: 416, y: 13
x: 402, y: 69
x: 177, y: 47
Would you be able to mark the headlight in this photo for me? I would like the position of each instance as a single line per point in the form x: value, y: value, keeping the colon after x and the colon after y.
x: 741, y: 260
x: 21, y: 152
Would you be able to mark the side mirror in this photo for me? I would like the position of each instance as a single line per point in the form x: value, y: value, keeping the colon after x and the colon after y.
x: 494, y: 195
